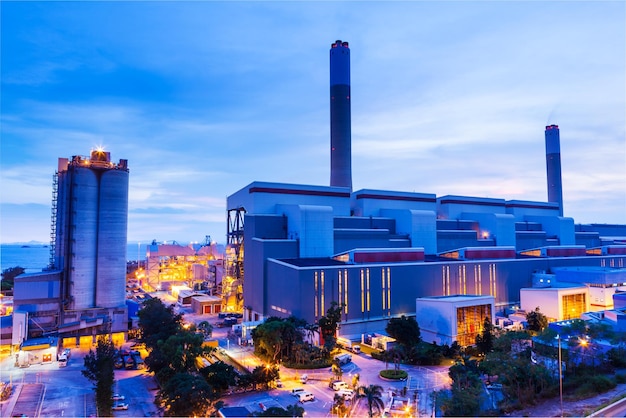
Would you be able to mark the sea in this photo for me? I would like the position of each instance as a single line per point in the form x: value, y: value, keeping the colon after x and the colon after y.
x: 34, y: 257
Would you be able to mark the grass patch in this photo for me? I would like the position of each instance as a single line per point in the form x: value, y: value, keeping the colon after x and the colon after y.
x: 393, y: 374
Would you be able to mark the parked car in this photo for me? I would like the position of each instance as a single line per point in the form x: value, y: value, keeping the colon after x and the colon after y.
x: 118, y: 397
x: 296, y: 391
x: 304, y: 378
x: 306, y: 397
x: 339, y: 385
x: 278, y: 383
x: 120, y: 406
x: 348, y: 394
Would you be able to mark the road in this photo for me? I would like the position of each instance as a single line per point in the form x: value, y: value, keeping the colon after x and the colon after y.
x: 49, y: 391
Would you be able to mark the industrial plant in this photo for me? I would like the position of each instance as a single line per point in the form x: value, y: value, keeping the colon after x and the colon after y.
x: 378, y: 254
x: 82, y: 293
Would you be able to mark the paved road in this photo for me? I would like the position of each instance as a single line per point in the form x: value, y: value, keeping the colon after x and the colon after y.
x: 49, y: 391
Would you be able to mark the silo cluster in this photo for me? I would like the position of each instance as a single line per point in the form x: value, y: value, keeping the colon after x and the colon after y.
x: 90, y: 230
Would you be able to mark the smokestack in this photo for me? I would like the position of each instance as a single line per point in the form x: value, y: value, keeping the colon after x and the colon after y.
x: 340, y: 126
x: 553, y: 166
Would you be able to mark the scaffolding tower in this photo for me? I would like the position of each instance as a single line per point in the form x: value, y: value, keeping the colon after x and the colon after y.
x: 232, y: 283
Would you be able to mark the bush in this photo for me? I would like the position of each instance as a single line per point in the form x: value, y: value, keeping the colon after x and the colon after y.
x: 593, y: 385
x: 393, y: 374
x: 620, y: 378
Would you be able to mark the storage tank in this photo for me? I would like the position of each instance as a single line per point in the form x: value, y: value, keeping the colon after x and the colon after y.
x: 112, y: 230
x: 82, y: 236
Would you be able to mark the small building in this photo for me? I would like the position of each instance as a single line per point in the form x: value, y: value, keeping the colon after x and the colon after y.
x: 206, y: 304
x: 460, y: 318
x: 558, y: 303
x: 185, y: 296
x: 42, y: 350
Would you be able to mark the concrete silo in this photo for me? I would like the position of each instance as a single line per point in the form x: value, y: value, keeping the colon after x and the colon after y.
x: 90, y: 213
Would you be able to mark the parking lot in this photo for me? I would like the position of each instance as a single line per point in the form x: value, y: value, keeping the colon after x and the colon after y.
x: 49, y: 391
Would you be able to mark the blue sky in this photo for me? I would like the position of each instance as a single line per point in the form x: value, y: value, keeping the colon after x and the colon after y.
x: 203, y: 98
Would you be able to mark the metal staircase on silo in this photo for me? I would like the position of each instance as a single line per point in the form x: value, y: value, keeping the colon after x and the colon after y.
x: 53, y: 220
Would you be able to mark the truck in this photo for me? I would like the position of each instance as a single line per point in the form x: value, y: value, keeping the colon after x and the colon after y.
x: 343, y: 359
x: 349, y: 345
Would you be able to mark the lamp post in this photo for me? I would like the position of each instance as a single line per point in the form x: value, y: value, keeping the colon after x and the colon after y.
x: 560, y: 375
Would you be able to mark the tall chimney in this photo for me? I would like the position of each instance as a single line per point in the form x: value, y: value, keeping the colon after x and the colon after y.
x: 340, y: 126
x: 553, y: 166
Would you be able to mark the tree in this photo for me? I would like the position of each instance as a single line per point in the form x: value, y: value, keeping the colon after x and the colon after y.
x: 177, y: 354
x: 157, y: 322
x: 465, y: 390
x: 405, y: 330
x: 294, y: 410
x: 100, y: 371
x: 339, y: 406
x: 485, y: 340
x: 536, y: 320
x: 206, y: 328
x: 329, y: 323
x: 9, y: 275
x: 220, y: 375
x: 374, y: 397
x: 186, y: 395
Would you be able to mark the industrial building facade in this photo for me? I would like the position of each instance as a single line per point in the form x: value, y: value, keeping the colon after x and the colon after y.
x: 83, y: 292
x: 375, y: 252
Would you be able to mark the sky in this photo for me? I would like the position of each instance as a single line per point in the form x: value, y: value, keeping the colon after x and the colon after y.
x: 203, y: 98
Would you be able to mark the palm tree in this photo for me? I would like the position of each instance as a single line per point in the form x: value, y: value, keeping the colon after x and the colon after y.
x: 374, y: 396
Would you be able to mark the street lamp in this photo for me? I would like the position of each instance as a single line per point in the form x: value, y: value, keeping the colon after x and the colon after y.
x: 558, y: 337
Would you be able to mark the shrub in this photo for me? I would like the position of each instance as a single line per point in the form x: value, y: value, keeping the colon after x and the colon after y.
x: 594, y: 385
x: 393, y: 374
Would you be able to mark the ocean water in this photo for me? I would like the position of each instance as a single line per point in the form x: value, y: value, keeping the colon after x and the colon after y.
x: 35, y: 257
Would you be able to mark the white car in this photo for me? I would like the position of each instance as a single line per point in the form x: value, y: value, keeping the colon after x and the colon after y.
x: 348, y: 394
x: 117, y: 397
x: 119, y: 406
x: 339, y: 385
x: 306, y: 397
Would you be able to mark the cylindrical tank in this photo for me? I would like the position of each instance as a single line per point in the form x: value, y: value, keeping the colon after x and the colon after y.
x: 83, y: 232
x: 340, y: 123
x: 112, y: 230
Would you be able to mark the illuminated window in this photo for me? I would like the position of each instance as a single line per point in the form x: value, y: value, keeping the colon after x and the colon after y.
x: 445, y: 277
x: 322, y: 292
x: 478, y: 282
x: 345, y: 291
x: 469, y: 322
x: 367, y: 276
x: 362, y: 291
x: 573, y: 305
x: 462, y: 281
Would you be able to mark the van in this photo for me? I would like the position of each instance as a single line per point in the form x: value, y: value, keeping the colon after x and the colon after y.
x: 62, y: 360
x: 306, y: 397
x: 343, y: 359
x: 296, y: 391
x: 340, y: 385
x: 347, y: 394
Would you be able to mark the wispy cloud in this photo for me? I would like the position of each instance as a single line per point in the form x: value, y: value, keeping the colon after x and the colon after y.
x: 203, y: 98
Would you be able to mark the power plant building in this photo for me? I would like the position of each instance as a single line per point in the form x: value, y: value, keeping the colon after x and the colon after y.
x: 83, y: 292
x: 375, y: 252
